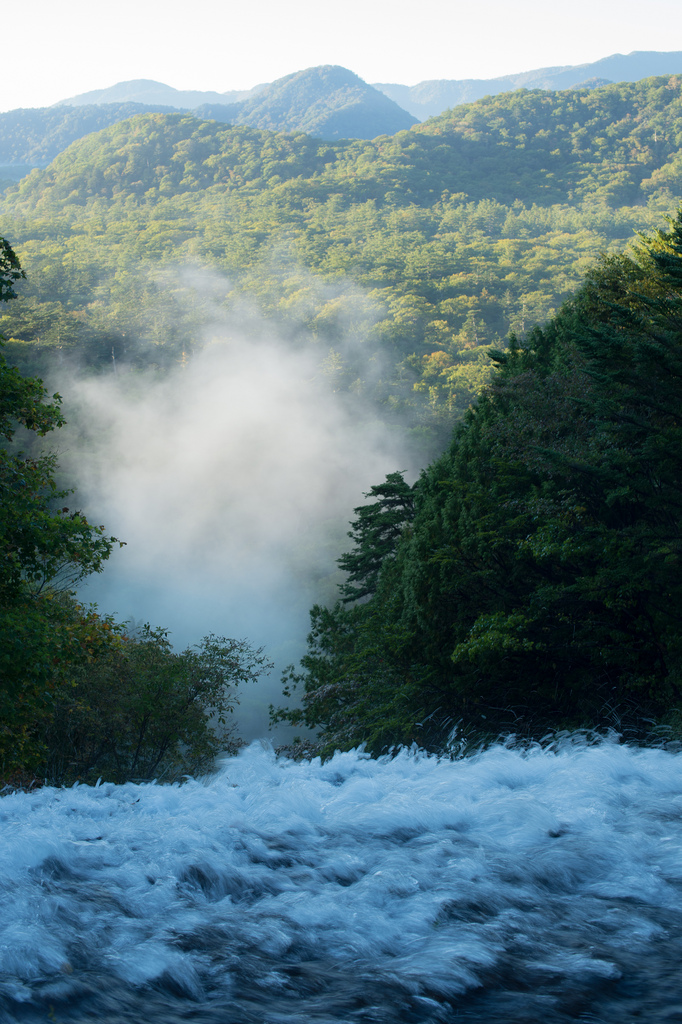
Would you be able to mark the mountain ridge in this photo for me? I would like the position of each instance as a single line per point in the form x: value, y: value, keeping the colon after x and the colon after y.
x: 329, y: 102
x: 432, y: 97
x: 425, y: 99
x: 149, y: 91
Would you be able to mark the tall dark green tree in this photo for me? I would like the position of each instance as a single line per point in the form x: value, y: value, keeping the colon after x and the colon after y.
x: 376, y: 532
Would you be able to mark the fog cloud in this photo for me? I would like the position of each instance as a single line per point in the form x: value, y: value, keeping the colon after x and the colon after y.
x: 231, y: 479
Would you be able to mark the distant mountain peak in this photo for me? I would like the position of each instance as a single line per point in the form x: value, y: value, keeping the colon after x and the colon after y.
x: 146, y: 90
x: 328, y: 101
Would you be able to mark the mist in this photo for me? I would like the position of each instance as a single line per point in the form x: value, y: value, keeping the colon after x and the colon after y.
x: 231, y: 479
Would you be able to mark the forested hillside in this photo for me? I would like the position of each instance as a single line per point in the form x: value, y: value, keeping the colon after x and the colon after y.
x: 34, y: 137
x: 529, y: 581
x: 401, y: 259
x: 328, y: 102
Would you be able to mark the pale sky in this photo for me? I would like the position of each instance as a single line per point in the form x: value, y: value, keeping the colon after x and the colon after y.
x: 55, y: 50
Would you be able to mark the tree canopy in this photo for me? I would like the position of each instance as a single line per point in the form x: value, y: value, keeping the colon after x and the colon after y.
x: 537, y: 586
x: 528, y: 579
x: 407, y: 256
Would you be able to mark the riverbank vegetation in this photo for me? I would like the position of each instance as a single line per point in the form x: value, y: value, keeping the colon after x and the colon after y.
x: 81, y: 695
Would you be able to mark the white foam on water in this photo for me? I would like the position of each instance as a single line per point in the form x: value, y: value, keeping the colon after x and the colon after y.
x: 434, y: 878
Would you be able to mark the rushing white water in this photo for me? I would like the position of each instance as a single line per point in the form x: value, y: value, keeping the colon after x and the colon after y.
x: 510, y: 886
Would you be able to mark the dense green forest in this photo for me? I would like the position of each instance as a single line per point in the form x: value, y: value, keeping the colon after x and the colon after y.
x: 530, y: 580
x: 400, y: 260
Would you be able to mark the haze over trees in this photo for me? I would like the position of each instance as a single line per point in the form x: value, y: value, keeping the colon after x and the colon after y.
x: 529, y: 579
x: 433, y: 243
x: 82, y: 695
